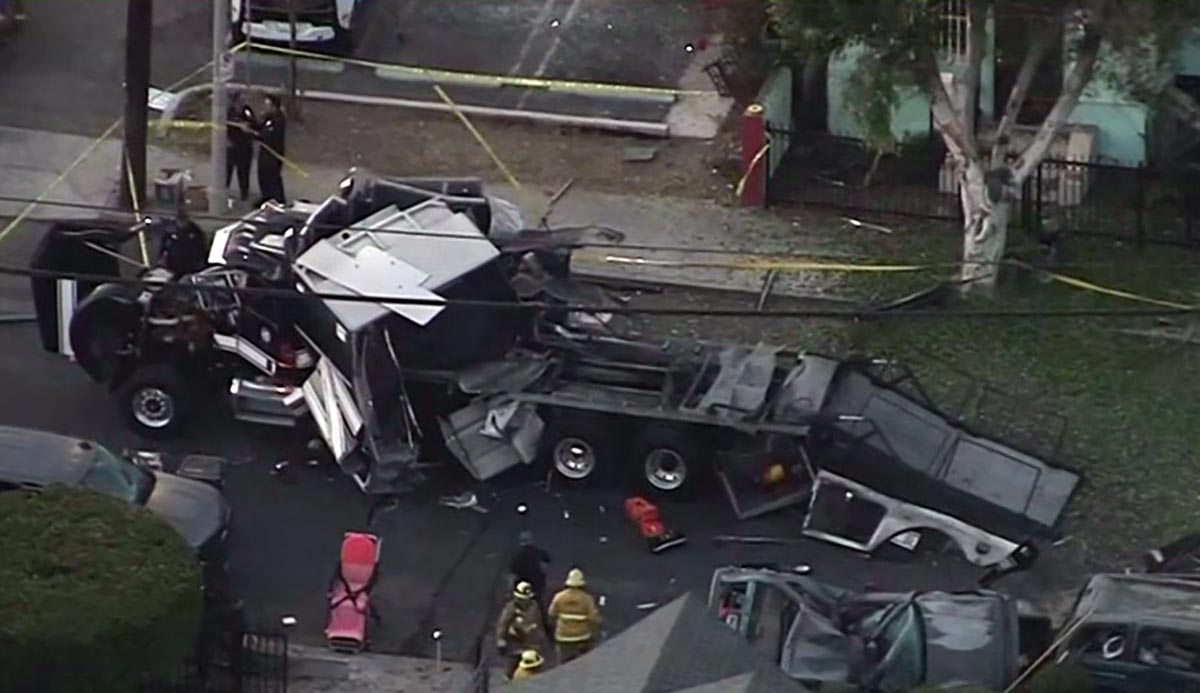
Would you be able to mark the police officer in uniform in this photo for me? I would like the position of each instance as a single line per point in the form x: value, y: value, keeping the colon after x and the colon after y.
x: 239, y: 144
x: 272, y: 133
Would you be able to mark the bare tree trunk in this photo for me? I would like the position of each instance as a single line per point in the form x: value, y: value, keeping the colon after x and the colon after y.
x: 985, y: 229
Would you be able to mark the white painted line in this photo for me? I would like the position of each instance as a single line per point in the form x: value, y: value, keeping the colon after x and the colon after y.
x: 562, y: 27
x: 539, y: 24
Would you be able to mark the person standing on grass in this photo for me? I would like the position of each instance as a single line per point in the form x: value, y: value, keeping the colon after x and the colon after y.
x: 272, y: 133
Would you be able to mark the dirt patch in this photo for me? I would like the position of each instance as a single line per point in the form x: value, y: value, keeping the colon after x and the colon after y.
x: 395, y: 142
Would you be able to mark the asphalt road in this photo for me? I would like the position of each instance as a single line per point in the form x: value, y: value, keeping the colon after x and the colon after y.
x: 638, y: 42
x: 440, y: 567
x: 64, y: 70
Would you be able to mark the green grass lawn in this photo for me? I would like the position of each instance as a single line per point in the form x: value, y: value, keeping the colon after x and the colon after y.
x: 1131, y: 404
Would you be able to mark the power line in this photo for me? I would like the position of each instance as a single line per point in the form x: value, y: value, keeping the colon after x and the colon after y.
x: 644, y: 247
x: 435, y: 234
x: 862, y: 314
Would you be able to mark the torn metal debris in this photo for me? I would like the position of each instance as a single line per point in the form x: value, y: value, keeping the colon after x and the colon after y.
x: 421, y: 368
x: 821, y: 634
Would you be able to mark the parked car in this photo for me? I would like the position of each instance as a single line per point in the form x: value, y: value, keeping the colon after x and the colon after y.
x: 1136, y: 633
x: 821, y: 634
x: 32, y: 460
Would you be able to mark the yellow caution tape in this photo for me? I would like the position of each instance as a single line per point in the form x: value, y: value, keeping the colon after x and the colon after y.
x: 1085, y: 285
x: 512, y: 179
x: 58, y: 181
x: 205, y: 125
x: 135, y: 200
x: 488, y: 80
x: 24, y: 214
x: 753, y: 263
x: 751, y: 168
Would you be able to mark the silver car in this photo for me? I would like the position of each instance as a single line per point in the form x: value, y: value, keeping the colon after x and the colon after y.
x: 32, y: 460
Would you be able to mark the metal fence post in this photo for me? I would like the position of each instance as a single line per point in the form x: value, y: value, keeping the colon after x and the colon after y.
x: 1037, y: 205
x: 1140, y: 206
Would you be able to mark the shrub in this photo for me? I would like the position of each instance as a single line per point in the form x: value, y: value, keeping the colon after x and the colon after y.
x: 1059, y: 678
x: 95, y: 594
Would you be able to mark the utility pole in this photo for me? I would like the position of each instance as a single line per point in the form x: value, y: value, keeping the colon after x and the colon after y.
x: 139, y: 20
x: 218, y: 196
x: 293, y: 92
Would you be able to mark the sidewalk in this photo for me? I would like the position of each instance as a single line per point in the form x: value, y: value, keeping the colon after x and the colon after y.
x: 316, y: 670
x: 31, y: 160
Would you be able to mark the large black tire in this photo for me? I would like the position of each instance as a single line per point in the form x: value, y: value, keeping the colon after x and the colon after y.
x: 102, y: 326
x: 156, y: 401
x: 579, y: 446
x: 671, y: 461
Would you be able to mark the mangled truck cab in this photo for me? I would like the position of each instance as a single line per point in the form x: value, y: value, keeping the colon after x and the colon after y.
x: 417, y: 319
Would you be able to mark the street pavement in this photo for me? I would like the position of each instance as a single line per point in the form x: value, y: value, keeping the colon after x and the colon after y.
x: 64, y: 70
x: 442, y: 569
x: 637, y: 42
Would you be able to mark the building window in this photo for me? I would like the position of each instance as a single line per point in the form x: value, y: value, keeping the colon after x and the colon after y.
x: 955, y: 29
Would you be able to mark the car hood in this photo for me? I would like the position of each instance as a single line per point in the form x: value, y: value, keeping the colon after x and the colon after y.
x: 196, y: 510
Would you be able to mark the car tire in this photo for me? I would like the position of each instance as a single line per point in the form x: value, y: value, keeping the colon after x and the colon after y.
x: 155, y: 401
x: 578, y: 447
x: 669, y: 461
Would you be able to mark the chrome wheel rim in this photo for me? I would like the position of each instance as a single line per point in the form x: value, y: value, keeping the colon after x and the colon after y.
x: 153, y: 408
x: 574, y: 458
x: 666, y: 470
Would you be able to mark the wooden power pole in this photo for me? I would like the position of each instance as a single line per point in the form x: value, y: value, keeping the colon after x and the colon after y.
x: 138, y: 32
x: 293, y: 102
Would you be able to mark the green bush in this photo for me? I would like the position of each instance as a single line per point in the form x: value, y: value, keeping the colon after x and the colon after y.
x: 1059, y: 678
x: 95, y: 594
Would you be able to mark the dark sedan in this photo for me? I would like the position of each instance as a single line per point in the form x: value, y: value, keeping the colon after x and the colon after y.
x: 32, y: 460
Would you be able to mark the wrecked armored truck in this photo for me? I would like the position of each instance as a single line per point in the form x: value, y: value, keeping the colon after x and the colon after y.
x: 411, y: 319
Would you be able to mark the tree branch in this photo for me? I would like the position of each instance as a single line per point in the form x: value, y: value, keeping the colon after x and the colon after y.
x: 946, y: 117
x: 1181, y: 105
x: 1073, y: 85
x: 976, y: 38
x: 1039, y: 48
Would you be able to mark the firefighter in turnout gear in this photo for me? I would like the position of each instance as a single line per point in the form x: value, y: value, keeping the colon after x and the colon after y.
x: 576, y: 618
x: 530, y: 663
x: 520, y: 623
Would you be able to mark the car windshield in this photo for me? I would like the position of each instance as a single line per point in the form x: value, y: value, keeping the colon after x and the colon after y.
x: 116, y: 477
x: 900, y: 642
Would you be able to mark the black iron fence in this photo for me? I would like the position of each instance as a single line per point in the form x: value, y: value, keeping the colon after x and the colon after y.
x: 234, y: 661
x: 1136, y: 205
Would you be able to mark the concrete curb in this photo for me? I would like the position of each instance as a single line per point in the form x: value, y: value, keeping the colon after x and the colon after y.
x: 413, y: 76
x: 635, y: 127
x: 277, y: 61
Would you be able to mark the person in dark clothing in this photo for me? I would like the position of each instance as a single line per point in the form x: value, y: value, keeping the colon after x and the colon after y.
x: 272, y: 133
x: 239, y: 144
x: 529, y: 563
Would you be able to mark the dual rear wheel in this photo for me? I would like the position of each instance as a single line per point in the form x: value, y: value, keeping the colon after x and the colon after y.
x: 659, y: 458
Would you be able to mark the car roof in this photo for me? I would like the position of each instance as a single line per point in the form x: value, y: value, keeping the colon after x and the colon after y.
x: 1135, y: 598
x: 29, y: 456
